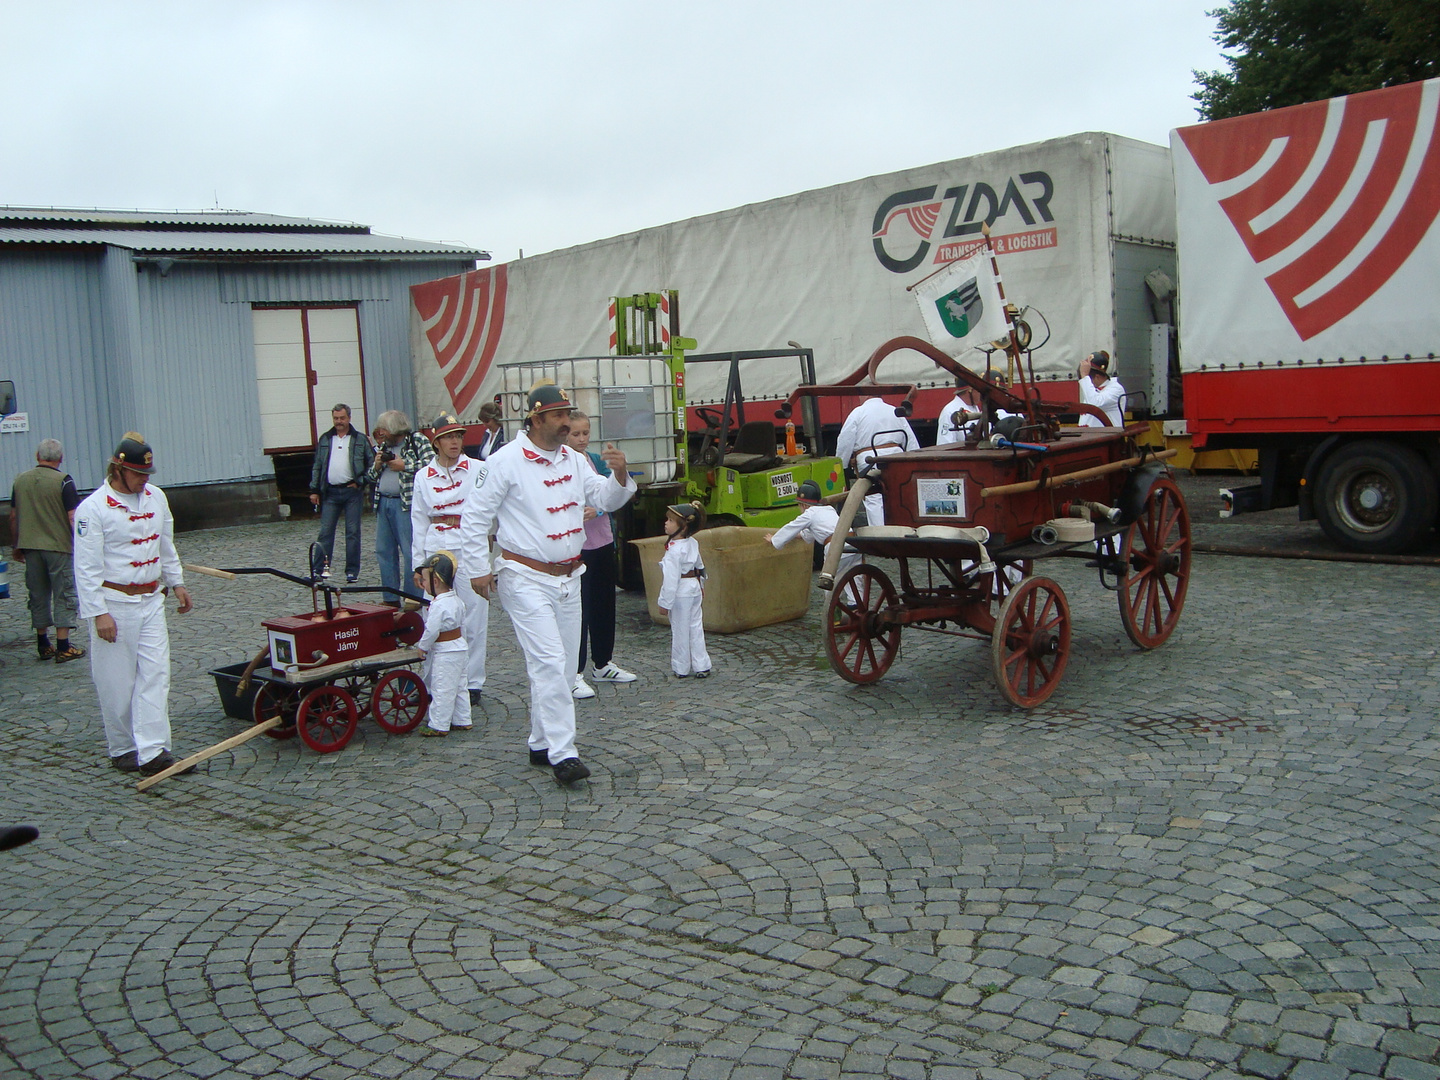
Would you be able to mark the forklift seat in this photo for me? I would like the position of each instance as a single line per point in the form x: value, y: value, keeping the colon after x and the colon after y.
x: 754, y: 449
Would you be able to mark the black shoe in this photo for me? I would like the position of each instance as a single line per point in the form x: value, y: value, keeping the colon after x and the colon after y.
x: 159, y: 763
x: 570, y: 770
x: 125, y: 762
x: 703, y: 674
x: 350, y: 579
x: 540, y: 758
x: 474, y: 697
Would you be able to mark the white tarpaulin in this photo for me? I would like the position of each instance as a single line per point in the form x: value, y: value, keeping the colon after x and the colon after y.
x: 826, y: 268
x: 1309, y: 233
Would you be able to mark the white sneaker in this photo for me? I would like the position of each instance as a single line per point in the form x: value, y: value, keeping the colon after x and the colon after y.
x: 582, y: 689
x: 611, y: 673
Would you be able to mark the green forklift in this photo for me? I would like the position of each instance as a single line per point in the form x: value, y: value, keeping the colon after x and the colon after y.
x: 744, y: 469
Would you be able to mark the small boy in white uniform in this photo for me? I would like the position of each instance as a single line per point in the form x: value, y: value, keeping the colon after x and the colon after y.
x: 443, y: 644
x: 682, y: 591
x: 815, y: 523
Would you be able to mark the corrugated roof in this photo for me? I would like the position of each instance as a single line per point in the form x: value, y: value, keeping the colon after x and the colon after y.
x: 185, y: 219
x: 239, y: 243
x: 210, y: 232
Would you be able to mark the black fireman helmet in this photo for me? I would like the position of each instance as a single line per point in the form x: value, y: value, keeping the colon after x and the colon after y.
x: 808, y: 492
x: 1100, y: 359
x: 134, y: 453
x: 691, y: 516
x: 442, y: 564
x: 444, y: 424
x: 545, y: 396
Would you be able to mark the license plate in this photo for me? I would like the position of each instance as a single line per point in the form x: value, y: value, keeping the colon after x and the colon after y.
x: 783, y: 484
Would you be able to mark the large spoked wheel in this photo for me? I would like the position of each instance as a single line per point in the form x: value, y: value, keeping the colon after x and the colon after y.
x: 1031, y: 643
x: 272, y: 698
x: 327, y: 719
x: 400, y: 702
x: 861, y: 645
x: 1155, y: 566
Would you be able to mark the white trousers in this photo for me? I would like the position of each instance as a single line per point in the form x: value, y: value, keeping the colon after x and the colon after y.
x: 449, y: 697
x: 875, y: 509
x: 132, y: 679
x: 847, y: 560
x: 687, y: 636
x: 476, y: 625
x: 546, y: 616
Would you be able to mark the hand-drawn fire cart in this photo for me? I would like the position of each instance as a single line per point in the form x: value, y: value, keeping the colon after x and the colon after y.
x: 967, y: 523
x: 321, y: 669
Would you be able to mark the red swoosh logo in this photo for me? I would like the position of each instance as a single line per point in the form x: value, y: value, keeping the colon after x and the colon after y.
x: 1329, y: 198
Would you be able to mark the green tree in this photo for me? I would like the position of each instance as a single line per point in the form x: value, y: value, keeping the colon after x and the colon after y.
x: 1292, y: 51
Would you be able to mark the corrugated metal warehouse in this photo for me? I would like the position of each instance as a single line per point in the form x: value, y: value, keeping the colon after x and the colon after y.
x: 223, y: 337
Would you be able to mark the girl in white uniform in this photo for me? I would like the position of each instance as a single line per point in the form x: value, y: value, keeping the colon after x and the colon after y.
x: 682, y: 591
x: 443, y: 644
x: 440, y: 490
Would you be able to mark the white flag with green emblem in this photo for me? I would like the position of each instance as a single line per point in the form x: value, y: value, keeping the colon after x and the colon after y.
x: 961, y: 305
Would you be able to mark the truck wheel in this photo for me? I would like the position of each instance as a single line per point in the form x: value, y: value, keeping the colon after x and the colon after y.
x: 1376, y: 497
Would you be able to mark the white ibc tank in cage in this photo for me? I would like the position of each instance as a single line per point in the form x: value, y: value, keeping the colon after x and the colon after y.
x: 626, y: 397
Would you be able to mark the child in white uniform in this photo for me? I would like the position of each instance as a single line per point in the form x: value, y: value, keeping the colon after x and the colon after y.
x: 443, y: 644
x: 682, y: 591
x: 816, y: 523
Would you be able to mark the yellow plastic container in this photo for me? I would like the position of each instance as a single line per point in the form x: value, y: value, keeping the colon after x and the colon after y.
x: 747, y: 582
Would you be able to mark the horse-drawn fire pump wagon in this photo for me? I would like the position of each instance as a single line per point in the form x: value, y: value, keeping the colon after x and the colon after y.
x: 967, y: 524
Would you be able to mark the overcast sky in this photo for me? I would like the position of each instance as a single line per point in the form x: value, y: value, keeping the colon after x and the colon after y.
x: 538, y: 125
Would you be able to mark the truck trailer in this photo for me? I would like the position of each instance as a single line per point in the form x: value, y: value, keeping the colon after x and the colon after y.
x: 1078, y: 224
x: 1310, y: 274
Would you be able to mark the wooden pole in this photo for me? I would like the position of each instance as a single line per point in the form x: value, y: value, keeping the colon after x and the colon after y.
x: 1074, y: 477
x: 193, y: 568
x: 205, y: 755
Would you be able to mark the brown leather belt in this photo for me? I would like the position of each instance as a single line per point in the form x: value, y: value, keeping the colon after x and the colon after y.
x: 557, y: 569
x: 142, y: 589
x: 877, y: 447
x: 448, y: 635
x: 445, y: 519
x: 693, y: 573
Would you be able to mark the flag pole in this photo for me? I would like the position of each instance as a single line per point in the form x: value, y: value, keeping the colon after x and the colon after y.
x: 1013, y: 352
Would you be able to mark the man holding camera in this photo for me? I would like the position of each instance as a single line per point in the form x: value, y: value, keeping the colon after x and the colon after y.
x: 399, y: 454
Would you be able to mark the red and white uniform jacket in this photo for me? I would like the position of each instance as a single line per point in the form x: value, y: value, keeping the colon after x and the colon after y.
x: 440, y: 494
x: 125, y: 539
x: 538, y: 497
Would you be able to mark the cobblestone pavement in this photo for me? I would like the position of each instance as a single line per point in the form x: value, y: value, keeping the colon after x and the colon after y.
x: 1216, y: 859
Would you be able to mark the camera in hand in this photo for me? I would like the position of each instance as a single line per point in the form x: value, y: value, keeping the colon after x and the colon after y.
x: 387, y: 455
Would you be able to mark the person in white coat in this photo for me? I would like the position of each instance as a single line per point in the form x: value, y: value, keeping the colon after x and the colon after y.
x: 947, y: 432
x: 873, y: 430
x: 125, y: 562
x: 815, y: 523
x: 535, y: 493
x: 443, y: 644
x: 1097, y: 388
x: 682, y: 590
x: 441, y: 487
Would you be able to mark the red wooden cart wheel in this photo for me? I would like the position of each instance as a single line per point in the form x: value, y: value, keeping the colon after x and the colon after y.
x: 327, y: 719
x: 1031, y: 642
x: 861, y: 645
x: 272, y: 698
x: 400, y: 702
x: 1155, y: 566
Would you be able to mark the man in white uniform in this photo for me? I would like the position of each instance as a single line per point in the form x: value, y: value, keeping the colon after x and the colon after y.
x: 441, y: 487
x: 1099, y: 389
x: 125, y: 559
x: 964, y: 401
x: 537, y: 489
x: 873, y: 430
